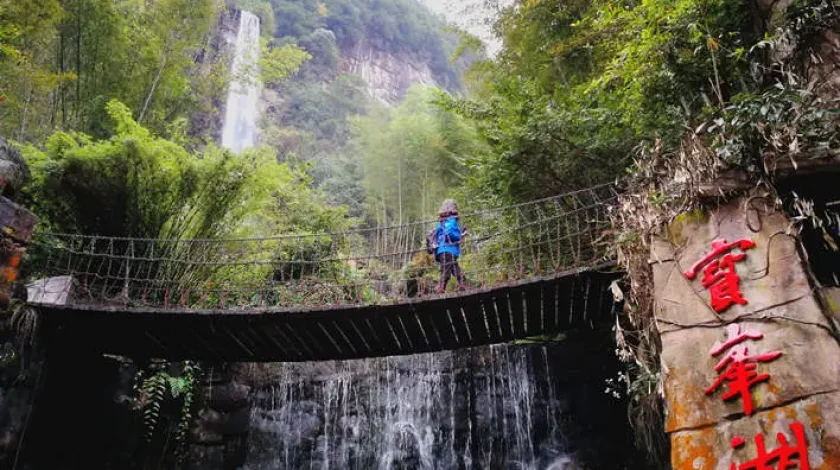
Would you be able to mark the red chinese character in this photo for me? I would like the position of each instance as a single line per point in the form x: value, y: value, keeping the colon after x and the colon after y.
x: 719, y: 275
x: 785, y: 454
x: 740, y: 374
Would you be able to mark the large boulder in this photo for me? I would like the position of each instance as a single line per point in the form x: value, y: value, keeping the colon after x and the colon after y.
x: 13, y: 170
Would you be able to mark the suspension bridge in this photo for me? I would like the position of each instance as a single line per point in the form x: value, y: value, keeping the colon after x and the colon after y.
x: 532, y: 269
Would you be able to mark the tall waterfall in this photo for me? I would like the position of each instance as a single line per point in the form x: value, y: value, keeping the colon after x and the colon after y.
x: 500, y: 407
x: 240, y: 125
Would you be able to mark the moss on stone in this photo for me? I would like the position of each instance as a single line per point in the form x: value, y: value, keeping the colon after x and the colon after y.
x: 676, y: 229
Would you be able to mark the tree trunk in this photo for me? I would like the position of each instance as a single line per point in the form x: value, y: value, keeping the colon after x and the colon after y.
x: 152, y: 89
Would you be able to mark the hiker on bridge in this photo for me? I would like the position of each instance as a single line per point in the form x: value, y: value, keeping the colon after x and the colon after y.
x: 448, y: 250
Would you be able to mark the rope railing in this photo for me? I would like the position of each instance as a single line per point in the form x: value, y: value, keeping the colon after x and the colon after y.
x: 294, y: 271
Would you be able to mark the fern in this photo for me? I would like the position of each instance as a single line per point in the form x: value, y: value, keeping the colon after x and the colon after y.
x: 154, y: 390
x: 188, y: 384
x: 153, y: 393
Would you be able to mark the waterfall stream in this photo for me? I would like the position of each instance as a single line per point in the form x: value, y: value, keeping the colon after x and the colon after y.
x: 488, y: 408
x: 240, y: 125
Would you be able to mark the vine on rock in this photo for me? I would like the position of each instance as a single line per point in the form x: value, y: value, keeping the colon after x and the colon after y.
x: 663, y: 185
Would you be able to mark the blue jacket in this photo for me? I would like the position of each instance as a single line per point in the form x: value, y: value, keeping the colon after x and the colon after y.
x: 448, y: 236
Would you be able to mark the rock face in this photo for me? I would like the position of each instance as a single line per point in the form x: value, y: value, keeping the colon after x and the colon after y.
x: 13, y: 170
x: 388, y: 76
x: 826, y: 68
x: 17, y: 387
x: 710, y: 429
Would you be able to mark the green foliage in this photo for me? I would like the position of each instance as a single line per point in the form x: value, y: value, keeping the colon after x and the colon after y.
x: 153, y: 390
x: 396, y: 26
x: 26, y: 73
x: 322, y: 45
x: 783, y: 122
x: 133, y: 184
x: 263, y: 10
x: 411, y: 157
x: 142, y: 186
x: 158, y: 387
x: 63, y: 61
x: 578, y: 86
x: 145, y: 186
x: 278, y: 63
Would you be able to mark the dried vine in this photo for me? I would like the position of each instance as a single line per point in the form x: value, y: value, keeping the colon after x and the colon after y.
x: 663, y: 185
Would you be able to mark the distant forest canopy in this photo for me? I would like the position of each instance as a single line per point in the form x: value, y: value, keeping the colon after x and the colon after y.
x: 399, y: 27
x: 75, y: 75
x: 61, y: 62
x: 583, y: 90
x: 579, y: 91
x: 327, y: 122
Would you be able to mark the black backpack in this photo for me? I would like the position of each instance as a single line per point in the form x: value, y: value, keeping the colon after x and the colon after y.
x: 432, y: 241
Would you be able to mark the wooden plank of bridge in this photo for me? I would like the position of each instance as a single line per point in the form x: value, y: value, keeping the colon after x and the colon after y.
x: 459, y: 322
x: 427, y: 312
x: 352, y: 333
x: 142, y: 334
x: 282, y: 329
x: 344, y: 346
x: 532, y: 293
x: 517, y: 312
x: 250, y: 336
x: 409, y: 340
x: 605, y: 302
x: 314, y: 342
x: 292, y: 351
x: 474, y: 320
x: 431, y: 324
x: 503, y: 309
x: 488, y: 305
x: 549, y: 303
x: 211, y: 334
x: 580, y: 302
x: 188, y: 331
x: 593, y: 300
x: 445, y: 327
x: 327, y: 339
x: 390, y: 343
x: 411, y: 322
x: 565, y: 301
x: 376, y: 343
x: 270, y: 330
x: 245, y: 337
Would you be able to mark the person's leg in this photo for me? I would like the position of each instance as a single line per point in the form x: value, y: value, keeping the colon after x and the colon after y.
x: 446, y: 261
x: 459, y: 275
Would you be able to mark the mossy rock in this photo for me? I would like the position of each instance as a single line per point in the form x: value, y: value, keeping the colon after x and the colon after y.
x: 677, y: 228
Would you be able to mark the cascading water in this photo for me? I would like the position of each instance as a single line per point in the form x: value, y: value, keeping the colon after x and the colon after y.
x: 499, y: 407
x: 240, y: 125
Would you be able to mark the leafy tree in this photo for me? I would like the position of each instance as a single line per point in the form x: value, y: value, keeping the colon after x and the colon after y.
x: 135, y: 184
x: 579, y: 85
x: 278, y: 63
x: 64, y: 60
x: 27, y: 31
x: 411, y: 157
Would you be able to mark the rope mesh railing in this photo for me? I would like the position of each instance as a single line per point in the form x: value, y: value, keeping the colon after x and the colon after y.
x: 363, y: 266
